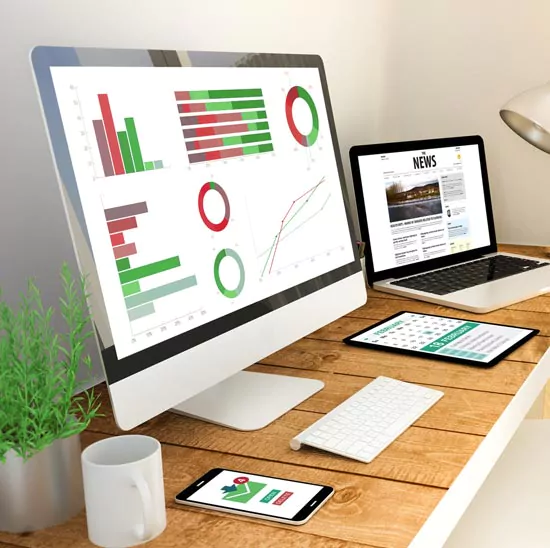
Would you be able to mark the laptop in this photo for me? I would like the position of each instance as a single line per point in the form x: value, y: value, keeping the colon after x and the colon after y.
x: 425, y: 215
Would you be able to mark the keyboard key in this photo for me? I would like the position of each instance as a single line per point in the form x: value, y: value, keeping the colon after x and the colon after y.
x: 344, y: 444
x: 356, y: 447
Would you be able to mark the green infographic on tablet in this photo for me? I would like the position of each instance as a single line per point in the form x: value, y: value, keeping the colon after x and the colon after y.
x: 439, y: 337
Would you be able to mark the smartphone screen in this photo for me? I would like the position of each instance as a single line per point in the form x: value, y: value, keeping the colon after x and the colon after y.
x: 251, y: 494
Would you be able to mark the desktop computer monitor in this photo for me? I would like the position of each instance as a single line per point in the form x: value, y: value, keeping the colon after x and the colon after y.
x: 206, y: 201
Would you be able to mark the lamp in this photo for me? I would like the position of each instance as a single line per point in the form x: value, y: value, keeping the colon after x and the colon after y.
x: 528, y: 115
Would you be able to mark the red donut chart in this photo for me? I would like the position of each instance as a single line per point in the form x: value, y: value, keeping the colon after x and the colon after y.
x: 216, y: 227
x: 298, y: 92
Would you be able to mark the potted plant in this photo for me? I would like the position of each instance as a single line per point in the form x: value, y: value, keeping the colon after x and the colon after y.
x: 42, y: 408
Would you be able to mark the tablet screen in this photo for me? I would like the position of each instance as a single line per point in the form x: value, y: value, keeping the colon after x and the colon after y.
x: 444, y: 338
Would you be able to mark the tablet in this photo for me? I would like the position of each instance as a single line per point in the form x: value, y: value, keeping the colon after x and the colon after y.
x: 442, y: 338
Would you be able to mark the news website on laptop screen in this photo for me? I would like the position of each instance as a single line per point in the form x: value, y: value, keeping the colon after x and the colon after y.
x: 423, y: 204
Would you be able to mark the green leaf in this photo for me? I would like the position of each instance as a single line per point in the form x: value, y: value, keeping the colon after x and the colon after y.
x: 38, y: 368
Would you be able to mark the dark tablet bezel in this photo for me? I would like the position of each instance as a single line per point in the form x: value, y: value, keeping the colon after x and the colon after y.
x: 439, y: 357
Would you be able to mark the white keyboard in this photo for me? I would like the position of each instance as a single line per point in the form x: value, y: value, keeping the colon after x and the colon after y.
x: 366, y: 423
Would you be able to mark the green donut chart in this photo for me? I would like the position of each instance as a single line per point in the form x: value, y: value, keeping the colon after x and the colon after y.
x: 229, y: 293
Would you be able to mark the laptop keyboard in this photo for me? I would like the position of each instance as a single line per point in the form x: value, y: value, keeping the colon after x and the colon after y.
x: 463, y: 276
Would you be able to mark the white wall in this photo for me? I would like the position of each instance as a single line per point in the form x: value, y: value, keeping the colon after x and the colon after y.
x: 448, y: 68
x: 35, y: 242
x: 397, y: 69
x: 33, y: 232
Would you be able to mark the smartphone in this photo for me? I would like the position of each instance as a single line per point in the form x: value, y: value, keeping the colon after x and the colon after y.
x: 274, y: 499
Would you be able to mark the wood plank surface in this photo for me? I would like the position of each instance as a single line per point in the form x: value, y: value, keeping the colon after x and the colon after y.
x: 466, y: 411
x: 358, y: 500
x: 380, y: 308
x: 188, y: 529
x: 378, y: 505
x: 273, y: 444
x: 316, y: 355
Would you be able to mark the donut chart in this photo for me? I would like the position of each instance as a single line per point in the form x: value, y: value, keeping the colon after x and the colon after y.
x: 229, y: 293
x: 298, y: 92
x: 216, y: 227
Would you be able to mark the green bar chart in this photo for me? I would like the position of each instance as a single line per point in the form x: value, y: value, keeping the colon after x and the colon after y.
x: 134, y: 144
x: 126, y: 152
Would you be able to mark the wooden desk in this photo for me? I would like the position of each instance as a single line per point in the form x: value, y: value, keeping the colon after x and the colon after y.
x: 382, y: 504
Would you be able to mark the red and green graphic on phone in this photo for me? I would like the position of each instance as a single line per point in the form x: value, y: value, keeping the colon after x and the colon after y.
x: 243, y: 490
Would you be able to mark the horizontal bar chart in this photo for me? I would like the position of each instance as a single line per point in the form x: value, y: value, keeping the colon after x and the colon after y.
x: 125, y: 211
x: 161, y: 291
x: 123, y: 264
x: 218, y: 94
x: 141, y: 312
x: 121, y: 225
x: 138, y: 297
x: 229, y: 153
x: 215, y: 106
x: 149, y: 269
x: 125, y: 250
x: 117, y: 239
x: 222, y: 118
x: 131, y: 288
x: 119, y: 151
x: 228, y: 141
x: 222, y: 124
x: 225, y: 129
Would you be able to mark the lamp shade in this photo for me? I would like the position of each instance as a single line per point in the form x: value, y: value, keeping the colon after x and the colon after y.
x: 528, y: 114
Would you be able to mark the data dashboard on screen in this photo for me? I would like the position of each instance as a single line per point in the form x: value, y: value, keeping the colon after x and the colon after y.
x: 204, y: 190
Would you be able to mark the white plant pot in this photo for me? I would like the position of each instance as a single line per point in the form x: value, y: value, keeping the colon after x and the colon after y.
x: 44, y: 491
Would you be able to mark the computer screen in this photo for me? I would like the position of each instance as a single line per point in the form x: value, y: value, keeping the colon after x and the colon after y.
x: 423, y: 204
x: 200, y: 199
x: 204, y: 193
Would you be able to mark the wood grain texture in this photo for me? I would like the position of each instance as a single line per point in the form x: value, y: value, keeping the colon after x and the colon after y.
x: 380, y: 308
x: 358, y: 500
x: 186, y: 529
x: 361, y: 502
x: 466, y: 411
x: 379, y: 505
x: 316, y: 355
x: 421, y: 456
x: 529, y: 250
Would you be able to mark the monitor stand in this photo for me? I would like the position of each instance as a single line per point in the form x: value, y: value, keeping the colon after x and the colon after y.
x: 248, y: 400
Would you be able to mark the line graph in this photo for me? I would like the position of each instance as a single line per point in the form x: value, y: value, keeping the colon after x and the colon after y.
x: 289, y: 220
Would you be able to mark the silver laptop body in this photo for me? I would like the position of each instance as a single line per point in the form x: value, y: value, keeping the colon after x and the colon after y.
x: 425, y: 215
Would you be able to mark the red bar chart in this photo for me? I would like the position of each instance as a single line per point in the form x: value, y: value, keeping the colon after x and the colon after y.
x: 119, y: 151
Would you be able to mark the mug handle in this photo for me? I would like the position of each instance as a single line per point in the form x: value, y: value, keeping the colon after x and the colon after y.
x: 141, y: 485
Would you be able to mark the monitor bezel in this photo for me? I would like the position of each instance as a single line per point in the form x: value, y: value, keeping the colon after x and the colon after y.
x: 43, y: 58
x: 356, y: 152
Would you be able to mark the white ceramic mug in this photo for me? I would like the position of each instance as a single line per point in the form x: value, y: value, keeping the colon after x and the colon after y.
x: 124, y: 491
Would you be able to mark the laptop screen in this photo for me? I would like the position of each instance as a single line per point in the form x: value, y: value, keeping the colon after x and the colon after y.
x: 423, y: 204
